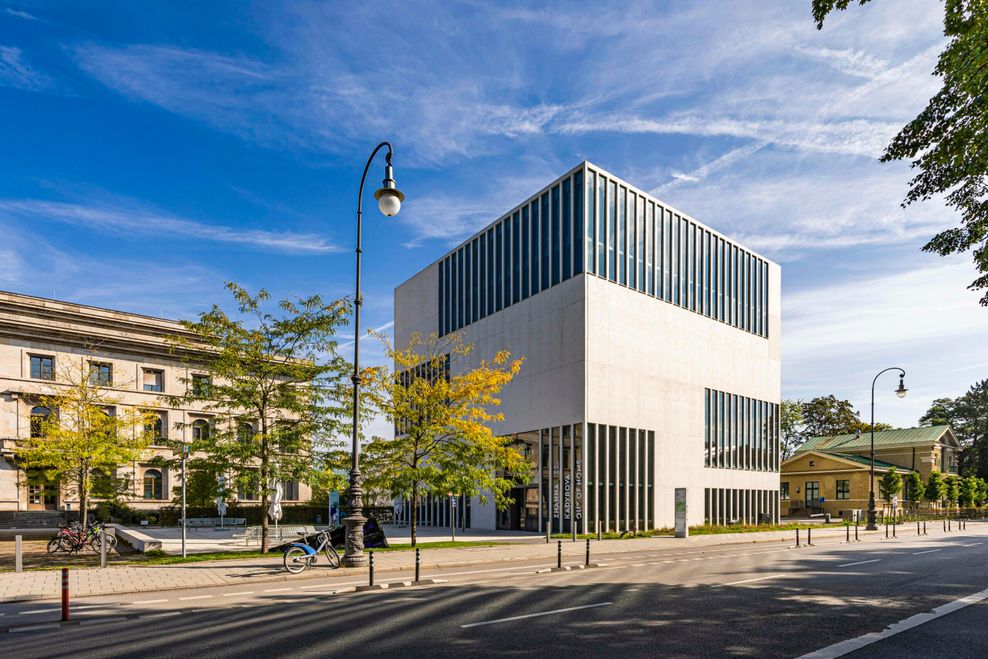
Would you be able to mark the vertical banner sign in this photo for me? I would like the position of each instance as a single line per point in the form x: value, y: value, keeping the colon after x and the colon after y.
x: 578, y: 511
x: 567, y: 496
x: 682, y: 529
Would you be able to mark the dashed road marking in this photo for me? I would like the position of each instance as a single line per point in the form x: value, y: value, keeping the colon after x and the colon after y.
x: 275, y: 590
x: 535, y: 615
x: 147, y: 602
x: 874, y: 560
x: 195, y: 597
x: 771, y: 576
x: 928, y: 551
x: 245, y: 592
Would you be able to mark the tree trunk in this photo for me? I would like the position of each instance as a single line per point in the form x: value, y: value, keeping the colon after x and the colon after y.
x: 264, y: 486
x: 83, y: 502
x: 415, y: 509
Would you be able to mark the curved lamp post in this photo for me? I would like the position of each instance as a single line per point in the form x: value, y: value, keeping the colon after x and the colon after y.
x: 901, y: 393
x: 389, y: 199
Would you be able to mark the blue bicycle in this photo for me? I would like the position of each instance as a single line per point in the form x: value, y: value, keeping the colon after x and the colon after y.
x: 300, y: 555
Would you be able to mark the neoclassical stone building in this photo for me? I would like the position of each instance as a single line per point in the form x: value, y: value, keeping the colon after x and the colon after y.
x: 41, y: 340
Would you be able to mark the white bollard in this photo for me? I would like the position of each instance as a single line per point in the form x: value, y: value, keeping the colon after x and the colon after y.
x: 102, y: 547
x: 18, y: 553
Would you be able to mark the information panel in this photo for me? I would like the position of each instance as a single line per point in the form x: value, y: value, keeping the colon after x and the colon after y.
x: 682, y: 528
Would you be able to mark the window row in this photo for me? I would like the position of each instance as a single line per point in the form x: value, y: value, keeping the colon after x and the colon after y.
x: 740, y: 432
x: 610, y: 230
x: 635, y: 242
x: 529, y: 250
x: 620, y: 471
x: 723, y: 506
x: 155, y: 425
x: 101, y: 374
x: 434, y: 510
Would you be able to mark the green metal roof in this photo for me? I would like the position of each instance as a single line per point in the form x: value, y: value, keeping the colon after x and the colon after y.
x: 904, y: 437
x: 879, y: 464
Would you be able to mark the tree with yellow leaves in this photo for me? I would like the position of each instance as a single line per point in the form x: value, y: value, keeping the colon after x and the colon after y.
x: 442, y: 402
x: 85, y: 433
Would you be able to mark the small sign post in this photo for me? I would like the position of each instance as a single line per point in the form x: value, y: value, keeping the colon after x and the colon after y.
x: 682, y: 527
x: 452, y: 514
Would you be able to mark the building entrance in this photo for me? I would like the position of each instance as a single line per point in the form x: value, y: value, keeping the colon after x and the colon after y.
x: 522, y: 514
x: 42, y: 493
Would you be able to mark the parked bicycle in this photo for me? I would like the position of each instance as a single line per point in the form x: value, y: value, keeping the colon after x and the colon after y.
x: 301, y: 555
x: 72, y: 538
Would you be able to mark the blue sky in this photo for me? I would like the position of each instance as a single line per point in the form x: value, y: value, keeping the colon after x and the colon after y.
x: 151, y: 151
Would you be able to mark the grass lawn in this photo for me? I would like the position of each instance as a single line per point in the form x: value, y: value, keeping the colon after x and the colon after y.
x: 705, y: 529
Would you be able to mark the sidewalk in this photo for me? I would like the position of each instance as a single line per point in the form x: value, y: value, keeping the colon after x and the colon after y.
x: 46, y: 584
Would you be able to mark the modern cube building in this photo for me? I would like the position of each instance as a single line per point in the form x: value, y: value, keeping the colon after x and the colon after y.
x: 652, y: 358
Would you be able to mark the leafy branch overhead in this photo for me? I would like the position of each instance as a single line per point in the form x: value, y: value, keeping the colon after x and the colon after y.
x: 948, y: 141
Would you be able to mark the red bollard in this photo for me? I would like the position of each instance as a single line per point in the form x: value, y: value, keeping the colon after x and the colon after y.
x: 65, y: 594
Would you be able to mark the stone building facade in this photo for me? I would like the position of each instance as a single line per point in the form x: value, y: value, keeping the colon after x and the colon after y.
x: 41, y: 340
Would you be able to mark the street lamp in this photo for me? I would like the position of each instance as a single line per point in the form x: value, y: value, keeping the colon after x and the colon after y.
x: 389, y: 199
x: 901, y: 393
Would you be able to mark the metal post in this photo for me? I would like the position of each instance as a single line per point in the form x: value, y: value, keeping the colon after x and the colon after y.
x: 452, y: 516
x: 600, y: 533
x: 886, y: 530
x: 559, y: 553
x: 587, y: 562
x: 848, y: 529
x: 917, y: 529
x: 18, y: 553
x: 945, y: 525
x: 893, y: 528
x: 924, y: 528
x: 370, y: 568
x: 185, y: 522
x: 809, y: 537
x: 855, y: 531
x: 102, y: 547
x: 797, y: 537
x: 948, y: 524
x: 65, y: 594
x: 417, y: 563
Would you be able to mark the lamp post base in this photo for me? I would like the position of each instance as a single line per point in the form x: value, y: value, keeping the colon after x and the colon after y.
x: 354, y: 555
x: 872, y: 513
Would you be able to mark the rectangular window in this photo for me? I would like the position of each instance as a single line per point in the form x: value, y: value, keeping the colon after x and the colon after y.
x: 640, y: 253
x: 556, y: 230
x: 472, y: 287
x: 526, y: 259
x: 546, y: 235
x: 691, y: 264
x: 591, y: 223
x: 612, y: 238
x: 154, y: 380
x: 515, y: 258
x: 459, y: 289
x: 201, y: 385
x: 843, y: 489
x: 812, y: 492
x: 42, y: 367
x: 600, y: 226
x: 482, y: 267
x: 707, y: 426
x: 632, y: 239
x: 491, y: 268
x: 442, y: 297
x: 579, y: 223
x: 536, y: 248
x: 622, y: 236
x: 567, y: 253
x: 650, y: 249
x: 101, y: 374
x: 784, y: 490
x: 675, y: 258
x: 499, y: 266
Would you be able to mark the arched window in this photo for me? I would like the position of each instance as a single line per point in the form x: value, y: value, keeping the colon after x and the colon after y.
x: 200, y: 430
x: 152, y: 484
x: 39, y: 415
x: 245, y: 433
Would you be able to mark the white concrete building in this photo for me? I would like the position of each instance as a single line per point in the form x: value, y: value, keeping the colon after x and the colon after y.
x: 652, y: 357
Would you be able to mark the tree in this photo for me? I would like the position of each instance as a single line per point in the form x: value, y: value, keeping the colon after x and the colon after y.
x: 442, y: 403
x: 275, y: 386
x: 968, y: 494
x: 791, y: 432
x: 948, y: 141
x: 85, y: 436
x: 890, y: 485
x: 914, y: 487
x: 981, y: 494
x: 827, y: 415
x: 953, y: 489
x: 967, y: 416
x: 936, y: 488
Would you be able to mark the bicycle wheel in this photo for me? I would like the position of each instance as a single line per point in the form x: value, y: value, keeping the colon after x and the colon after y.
x: 54, y: 545
x: 334, y: 558
x: 111, y: 542
x: 296, y: 560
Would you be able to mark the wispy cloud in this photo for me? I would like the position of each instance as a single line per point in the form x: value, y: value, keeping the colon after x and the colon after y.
x: 135, y: 220
x: 17, y: 73
x: 20, y: 13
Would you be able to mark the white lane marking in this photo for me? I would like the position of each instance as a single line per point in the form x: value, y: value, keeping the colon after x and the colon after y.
x: 852, y: 644
x: 319, y: 587
x: 146, y: 602
x: 275, y: 590
x: 34, y: 628
x: 93, y: 606
x: 973, y: 544
x: 874, y: 560
x: 771, y: 576
x: 36, y: 611
x: 535, y: 615
x: 195, y: 597
x: 245, y: 592
x: 163, y: 614
x: 928, y: 551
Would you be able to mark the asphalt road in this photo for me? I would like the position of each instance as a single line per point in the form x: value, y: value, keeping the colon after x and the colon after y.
x: 742, y: 600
